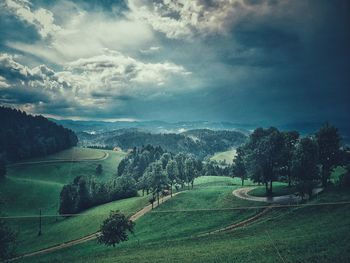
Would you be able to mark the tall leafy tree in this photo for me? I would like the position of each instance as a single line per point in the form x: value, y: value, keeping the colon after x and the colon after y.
x: 290, y: 140
x: 239, y: 167
x: 159, y: 179
x: 265, y: 149
x: 68, y: 198
x: 328, y: 140
x: 84, y: 199
x: 305, y: 165
x: 173, y: 173
x: 190, y: 171
x: 180, y: 159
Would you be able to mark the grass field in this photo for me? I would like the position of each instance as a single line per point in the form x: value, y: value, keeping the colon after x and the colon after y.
x: 171, y: 232
x: 277, y: 190
x: 303, y: 234
x: 226, y: 156
x: 30, y: 187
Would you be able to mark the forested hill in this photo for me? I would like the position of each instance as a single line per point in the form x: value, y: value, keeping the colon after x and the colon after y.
x: 25, y: 136
x: 201, y: 142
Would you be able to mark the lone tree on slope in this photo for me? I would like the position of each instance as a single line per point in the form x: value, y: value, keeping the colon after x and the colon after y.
x: 114, y: 229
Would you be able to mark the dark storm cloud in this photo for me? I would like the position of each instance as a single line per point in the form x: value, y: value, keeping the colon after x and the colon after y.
x: 253, y: 61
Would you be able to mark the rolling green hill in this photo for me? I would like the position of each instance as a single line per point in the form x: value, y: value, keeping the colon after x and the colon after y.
x: 177, y: 230
x: 36, y: 185
x: 302, y: 234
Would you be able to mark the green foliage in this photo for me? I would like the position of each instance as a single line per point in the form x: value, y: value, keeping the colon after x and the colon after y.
x: 328, y: 140
x: 305, y: 166
x: 84, y: 193
x: 25, y: 136
x: 265, y: 155
x: 114, y: 229
x: 239, y: 166
x: 199, y: 142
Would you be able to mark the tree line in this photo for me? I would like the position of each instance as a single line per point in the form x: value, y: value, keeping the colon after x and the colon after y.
x: 84, y: 193
x: 158, y: 171
x: 307, y: 162
x: 25, y: 136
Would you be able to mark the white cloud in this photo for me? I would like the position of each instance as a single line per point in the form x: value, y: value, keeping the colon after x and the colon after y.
x: 84, y: 34
x: 186, y: 19
x: 41, y: 18
x: 98, y: 81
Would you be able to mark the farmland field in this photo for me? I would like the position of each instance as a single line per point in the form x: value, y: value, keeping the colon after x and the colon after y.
x: 226, y: 156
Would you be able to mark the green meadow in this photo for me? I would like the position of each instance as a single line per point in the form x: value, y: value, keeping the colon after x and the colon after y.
x: 172, y: 232
x: 297, y: 234
x: 226, y: 156
x: 28, y: 188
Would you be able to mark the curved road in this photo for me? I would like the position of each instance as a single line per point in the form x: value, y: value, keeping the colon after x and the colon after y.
x: 93, y: 236
x: 105, y: 156
x: 243, y: 193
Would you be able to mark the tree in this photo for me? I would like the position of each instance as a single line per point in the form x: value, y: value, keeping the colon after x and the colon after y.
x: 265, y: 148
x: 305, y: 166
x: 328, y: 140
x: 159, y: 179
x: 180, y: 161
x: 190, y: 171
x: 290, y: 140
x: 239, y: 168
x: 173, y: 173
x: 99, y: 169
x: 68, y: 200
x: 114, y: 229
x: 83, y: 198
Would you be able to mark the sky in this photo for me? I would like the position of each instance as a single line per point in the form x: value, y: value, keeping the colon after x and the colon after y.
x: 245, y: 61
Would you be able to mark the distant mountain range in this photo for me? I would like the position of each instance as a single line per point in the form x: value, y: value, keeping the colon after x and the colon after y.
x: 94, y: 127
x: 156, y: 127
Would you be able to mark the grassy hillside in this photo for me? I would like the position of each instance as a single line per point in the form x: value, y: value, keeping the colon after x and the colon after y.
x: 226, y: 156
x: 30, y: 187
x: 303, y: 234
x: 277, y: 190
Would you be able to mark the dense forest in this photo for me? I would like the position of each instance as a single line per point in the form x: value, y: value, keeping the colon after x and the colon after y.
x: 200, y: 142
x: 25, y: 136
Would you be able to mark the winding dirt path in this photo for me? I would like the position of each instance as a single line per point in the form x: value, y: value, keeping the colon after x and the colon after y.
x: 243, y: 193
x: 93, y: 236
x: 239, y: 224
x: 104, y: 157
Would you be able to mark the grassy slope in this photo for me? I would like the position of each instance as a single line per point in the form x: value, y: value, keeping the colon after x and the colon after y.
x: 168, y: 223
x: 28, y: 188
x: 228, y: 156
x: 306, y: 234
x: 277, y: 190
